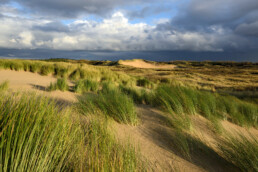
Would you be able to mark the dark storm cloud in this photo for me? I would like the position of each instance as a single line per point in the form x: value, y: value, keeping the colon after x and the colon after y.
x: 234, y: 23
x: 215, y: 12
x: 52, y: 27
x: 73, y: 8
x: 147, y: 11
x: 248, y: 29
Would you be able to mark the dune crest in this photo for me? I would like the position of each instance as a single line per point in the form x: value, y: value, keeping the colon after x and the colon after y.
x: 138, y: 63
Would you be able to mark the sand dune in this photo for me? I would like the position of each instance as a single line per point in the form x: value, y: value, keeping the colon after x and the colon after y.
x: 142, y: 64
x: 152, y: 136
x: 27, y: 81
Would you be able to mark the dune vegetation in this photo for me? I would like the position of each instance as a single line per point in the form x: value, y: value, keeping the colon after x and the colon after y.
x: 36, y: 134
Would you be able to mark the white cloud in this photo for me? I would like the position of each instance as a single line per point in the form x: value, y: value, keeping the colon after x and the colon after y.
x: 114, y: 33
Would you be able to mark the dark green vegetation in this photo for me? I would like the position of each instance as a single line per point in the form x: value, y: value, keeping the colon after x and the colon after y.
x: 37, y: 135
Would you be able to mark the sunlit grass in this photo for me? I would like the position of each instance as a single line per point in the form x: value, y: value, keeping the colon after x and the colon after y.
x: 4, y: 85
x: 114, y: 104
x: 241, y: 151
x: 61, y: 84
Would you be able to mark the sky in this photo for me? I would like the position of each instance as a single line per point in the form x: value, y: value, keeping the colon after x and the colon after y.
x: 226, y: 28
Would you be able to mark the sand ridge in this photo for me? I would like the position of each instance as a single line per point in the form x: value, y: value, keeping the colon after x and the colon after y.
x: 138, y: 63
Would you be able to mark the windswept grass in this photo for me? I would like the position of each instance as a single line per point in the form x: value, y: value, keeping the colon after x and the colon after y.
x: 82, y: 86
x: 143, y: 82
x: 193, y: 149
x: 108, y: 86
x: 114, y: 104
x: 46, y: 69
x: 61, y: 84
x: 34, y: 137
x: 37, y: 136
x: 241, y: 151
x: 102, y: 152
x: 4, y: 85
x: 181, y: 101
x: 139, y: 95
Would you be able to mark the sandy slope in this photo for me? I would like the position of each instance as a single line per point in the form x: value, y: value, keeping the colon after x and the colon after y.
x: 155, y: 142
x: 27, y: 81
x: 143, y: 64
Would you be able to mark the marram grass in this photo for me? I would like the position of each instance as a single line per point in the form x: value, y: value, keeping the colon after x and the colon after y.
x: 86, y: 85
x: 60, y: 84
x: 114, y: 104
x: 241, y: 151
x: 35, y: 135
x: 4, y: 85
x: 183, y: 101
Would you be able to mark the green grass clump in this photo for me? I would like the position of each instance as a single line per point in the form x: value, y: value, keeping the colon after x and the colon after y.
x: 46, y: 69
x: 143, y: 82
x: 174, y: 101
x: 61, y: 84
x: 14, y: 65
x: 133, y: 92
x: 61, y: 71
x: 82, y: 86
x: 35, y: 67
x: 36, y: 136
x: 4, y: 85
x: 241, y: 151
x: 114, y: 104
x: 108, y: 86
x: 77, y: 74
x: 102, y: 152
x: 180, y: 100
x: 139, y: 95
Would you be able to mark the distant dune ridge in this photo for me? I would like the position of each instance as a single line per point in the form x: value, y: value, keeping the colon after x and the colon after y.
x: 139, y: 63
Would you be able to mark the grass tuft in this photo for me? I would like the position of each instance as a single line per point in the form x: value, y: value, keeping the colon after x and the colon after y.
x: 4, y: 85
x: 82, y: 86
x: 114, y: 104
x: 241, y: 151
x: 61, y: 84
x: 143, y: 82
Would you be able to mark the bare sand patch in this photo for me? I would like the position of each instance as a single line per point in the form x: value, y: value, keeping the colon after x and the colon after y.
x: 235, y: 130
x: 27, y: 81
x: 155, y: 139
x: 137, y: 63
